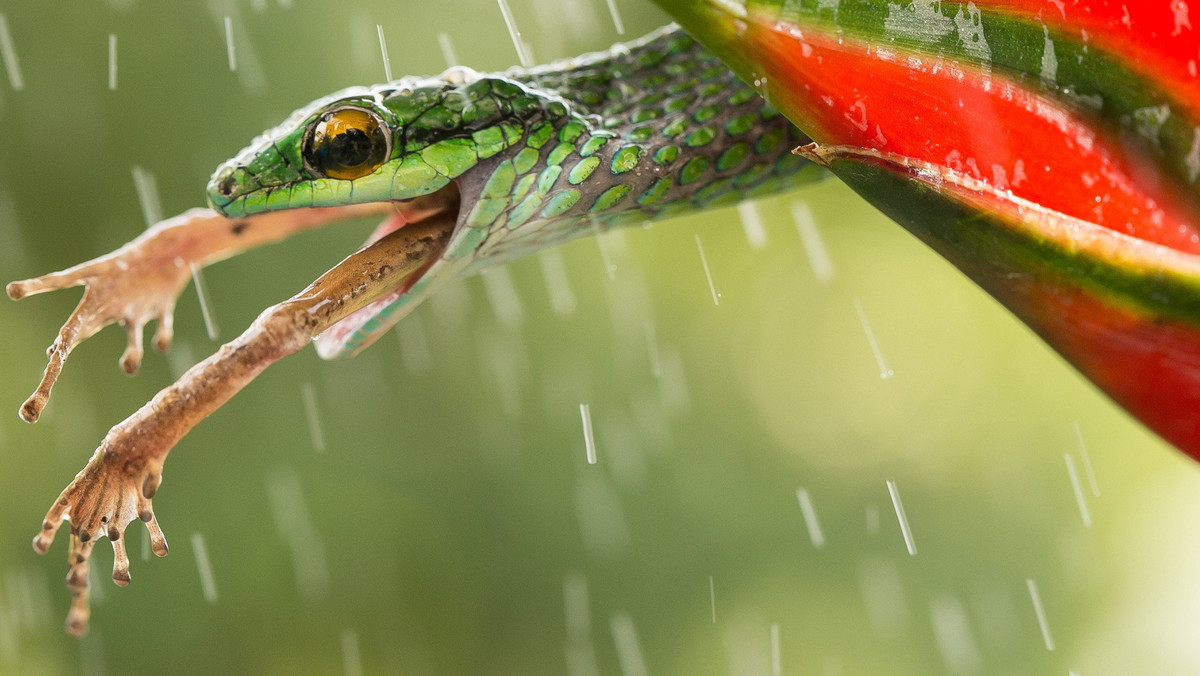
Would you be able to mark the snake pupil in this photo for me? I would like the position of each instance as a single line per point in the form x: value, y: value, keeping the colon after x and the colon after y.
x: 347, y: 143
x: 350, y: 148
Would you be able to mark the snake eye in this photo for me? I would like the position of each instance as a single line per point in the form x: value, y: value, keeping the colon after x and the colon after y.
x: 346, y: 143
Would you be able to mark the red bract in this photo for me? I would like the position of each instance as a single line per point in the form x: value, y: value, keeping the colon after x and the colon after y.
x: 1048, y: 149
x: 982, y: 125
x: 1155, y: 39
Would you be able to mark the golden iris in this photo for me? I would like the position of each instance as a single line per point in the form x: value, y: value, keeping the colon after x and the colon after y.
x: 347, y: 143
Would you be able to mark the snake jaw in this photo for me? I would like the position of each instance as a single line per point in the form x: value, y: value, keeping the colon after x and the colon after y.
x: 363, y: 327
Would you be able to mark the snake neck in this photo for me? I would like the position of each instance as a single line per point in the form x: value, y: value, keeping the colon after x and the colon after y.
x: 653, y: 128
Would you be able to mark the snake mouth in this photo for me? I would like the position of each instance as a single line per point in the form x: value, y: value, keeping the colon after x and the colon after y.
x: 441, y: 203
x: 438, y: 213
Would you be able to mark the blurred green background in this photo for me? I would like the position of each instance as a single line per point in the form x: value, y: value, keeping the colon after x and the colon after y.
x: 452, y: 525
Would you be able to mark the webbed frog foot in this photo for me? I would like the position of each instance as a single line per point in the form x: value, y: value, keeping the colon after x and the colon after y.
x: 102, y: 500
x: 130, y: 286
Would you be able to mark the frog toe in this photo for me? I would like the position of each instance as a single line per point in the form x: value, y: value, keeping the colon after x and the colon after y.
x: 131, y: 358
x: 165, y: 332
x: 83, y: 322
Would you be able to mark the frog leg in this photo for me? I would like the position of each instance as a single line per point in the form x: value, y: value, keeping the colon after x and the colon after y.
x: 141, y: 280
x: 124, y: 473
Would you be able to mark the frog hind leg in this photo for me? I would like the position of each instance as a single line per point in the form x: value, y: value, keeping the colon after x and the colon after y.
x: 125, y: 472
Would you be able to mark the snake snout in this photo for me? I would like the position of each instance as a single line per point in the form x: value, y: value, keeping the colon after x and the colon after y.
x: 229, y: 182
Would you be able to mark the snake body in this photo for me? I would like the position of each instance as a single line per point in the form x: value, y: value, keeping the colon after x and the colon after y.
x: 539, y: 156
x: 650, y: 129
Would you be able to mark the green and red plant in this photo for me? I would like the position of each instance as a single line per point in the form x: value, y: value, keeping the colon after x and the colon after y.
x: 1048, y: 148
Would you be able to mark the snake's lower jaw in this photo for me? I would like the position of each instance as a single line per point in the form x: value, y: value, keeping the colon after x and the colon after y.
x: 363, y: 327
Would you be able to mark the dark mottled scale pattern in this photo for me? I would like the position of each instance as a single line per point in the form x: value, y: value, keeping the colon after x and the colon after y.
x: 655, y: 128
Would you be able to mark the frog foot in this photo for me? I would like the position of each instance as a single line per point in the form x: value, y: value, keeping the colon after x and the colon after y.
x: 102, y: 500
x: 129, y: 287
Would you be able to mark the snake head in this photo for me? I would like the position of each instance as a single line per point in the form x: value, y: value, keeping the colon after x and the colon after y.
x: 425, y: 145
x: 390, y: 142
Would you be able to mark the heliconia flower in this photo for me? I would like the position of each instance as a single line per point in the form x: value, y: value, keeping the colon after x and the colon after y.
x: 1048, y: 148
